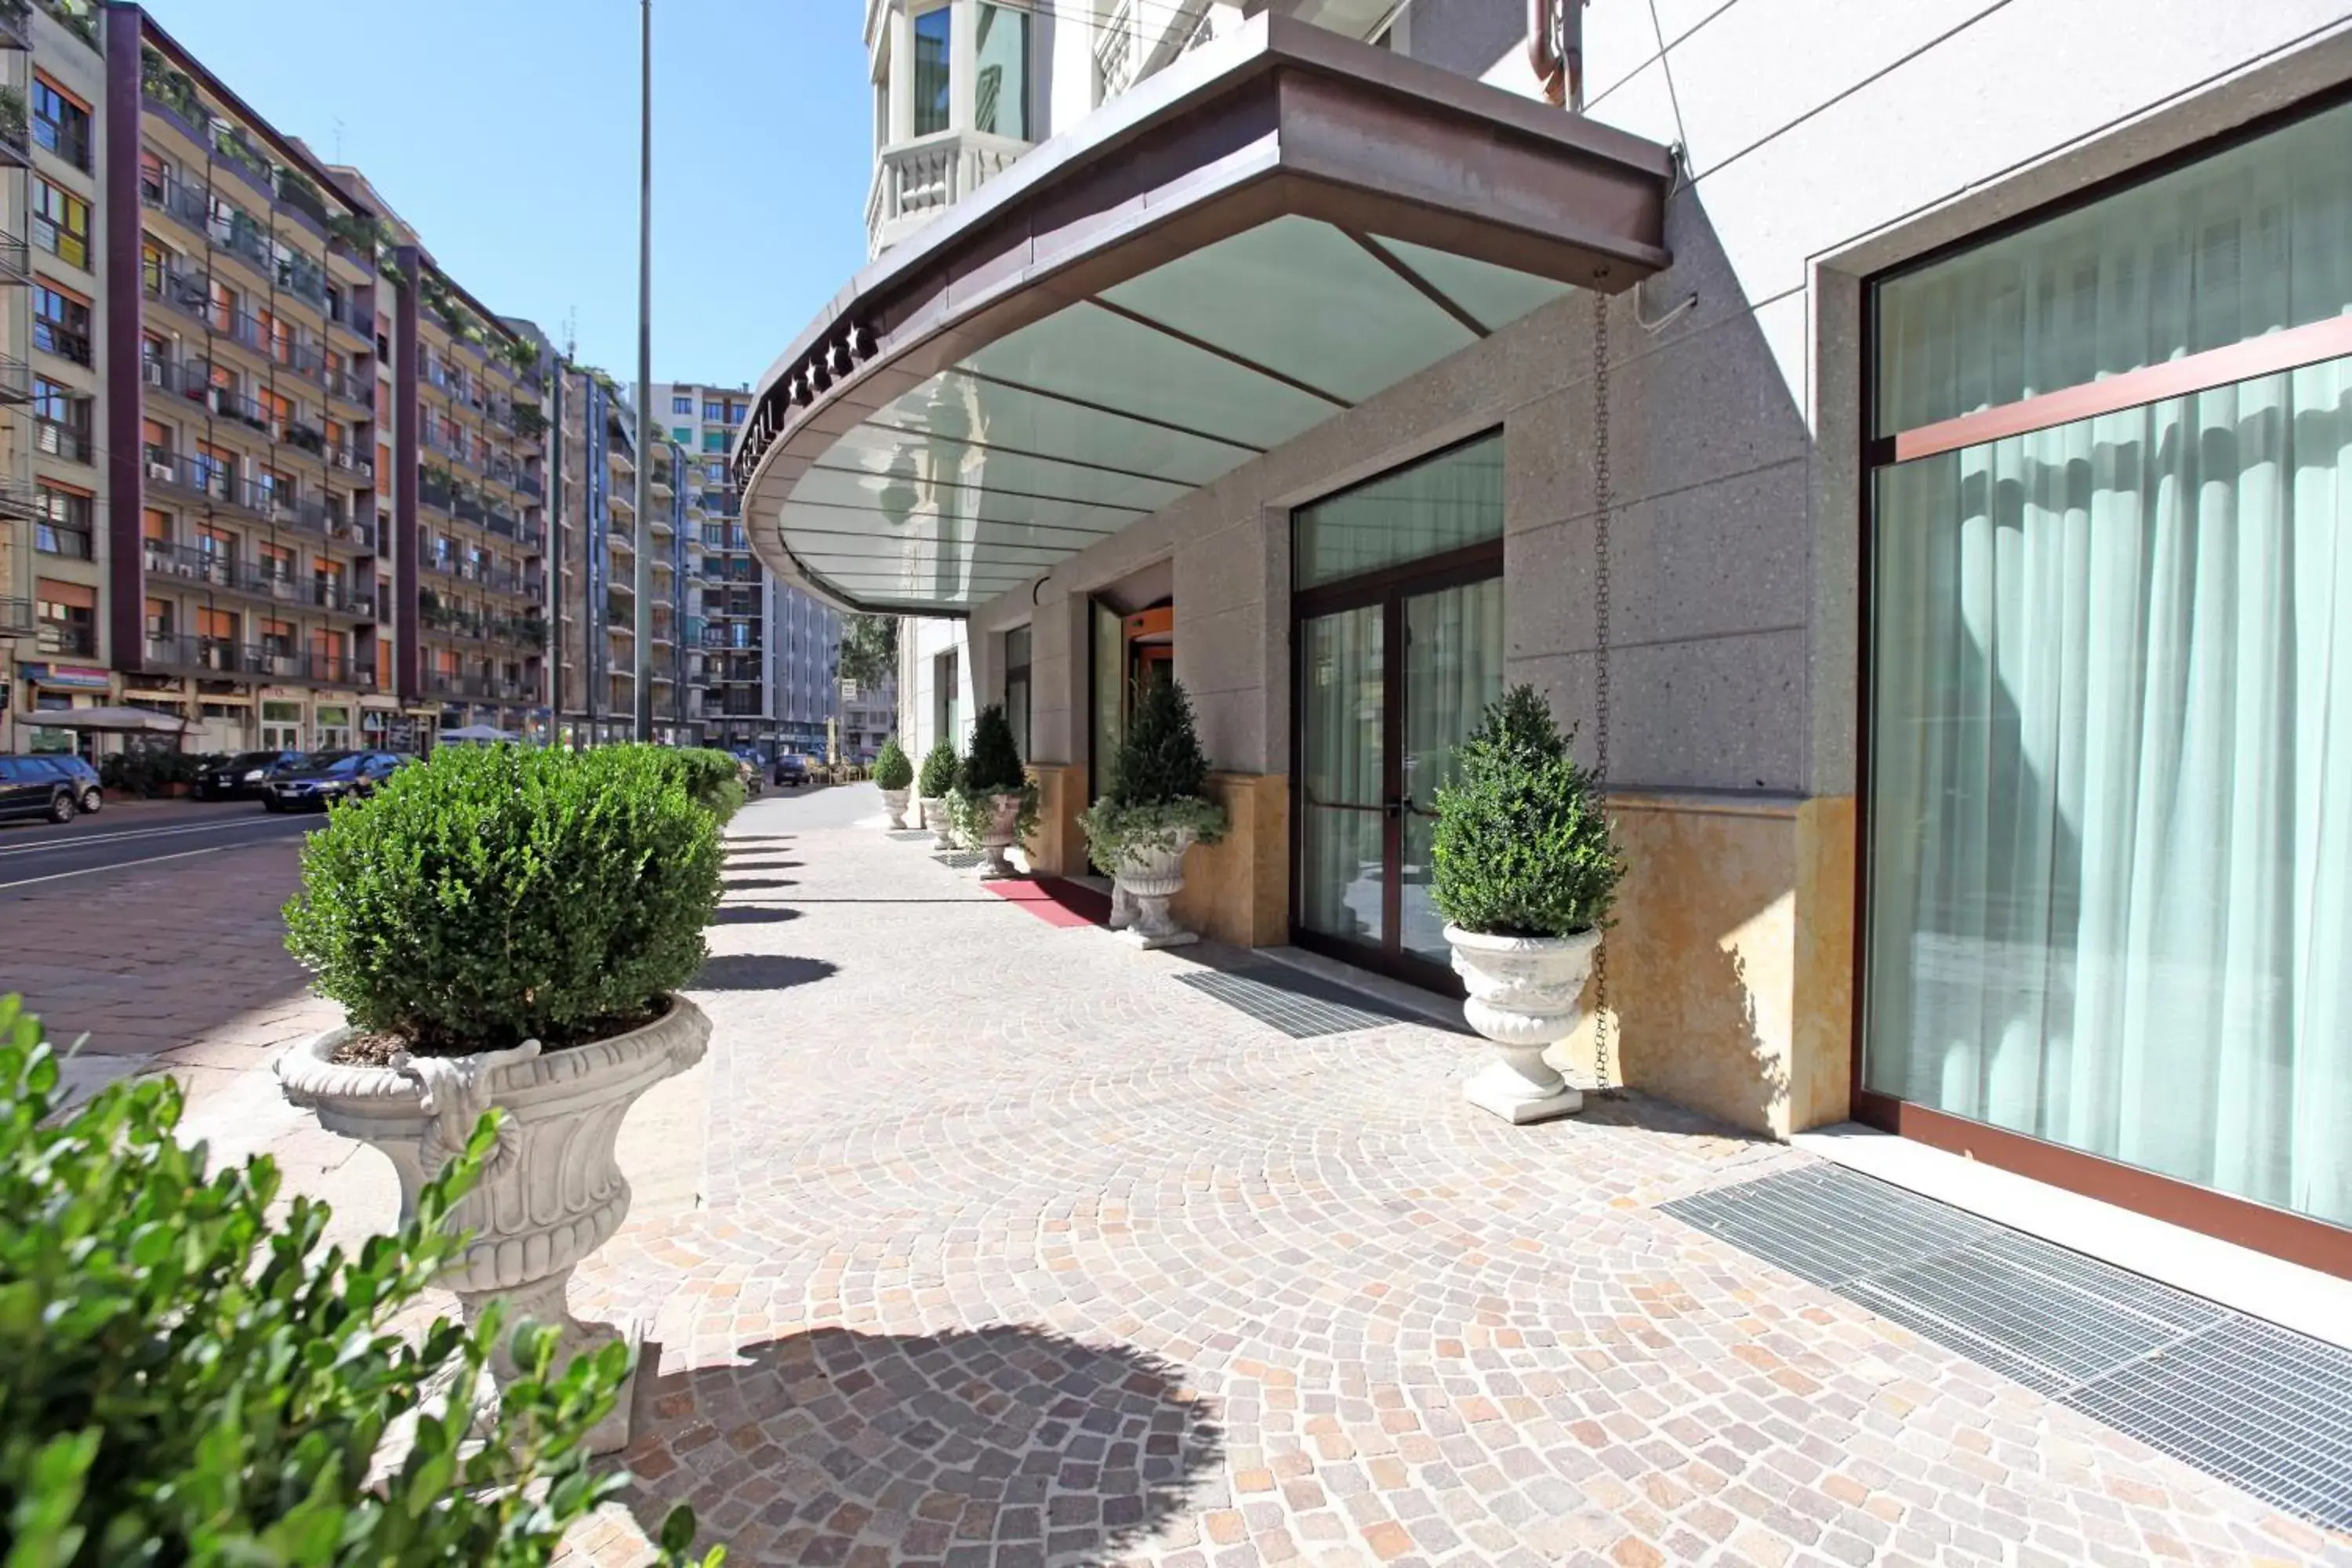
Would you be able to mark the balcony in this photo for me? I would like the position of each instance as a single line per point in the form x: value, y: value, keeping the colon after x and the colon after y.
x: 15, y: 135
x: 223, y: 659
x: 68, y: 345
x: 914, y: 182
x: 351, y: 386
x: 19, y: 500
x: 16, y: 33
x: 354, y: 317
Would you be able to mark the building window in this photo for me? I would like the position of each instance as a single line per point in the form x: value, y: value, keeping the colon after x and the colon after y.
x: 682, y: 434
x: 2107, y: 876
x: 60, y: 421
x: 944, y: 714
x: 61, y: 224
x: 682, y: 403
x: 63, y: 526
x: 1000, y: 85
x: 714, y: 440
x: 1016, y: 687
x: 60, y: 124
x: 60, y: 324
x: 931, y: 70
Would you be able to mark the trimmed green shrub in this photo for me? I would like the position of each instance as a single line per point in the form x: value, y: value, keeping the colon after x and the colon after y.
x: 891, y: 768
x: 500, y: 893
x: 1521, y: 847
x: 187, y: 1377
x: 1160, y: 758
x: 992, y: 766
x: 1159, y: 782
x: 939, y: 767
x: 714, y: 778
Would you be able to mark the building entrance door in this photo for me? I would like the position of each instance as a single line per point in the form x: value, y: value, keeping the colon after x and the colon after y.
x: 1393, y: 664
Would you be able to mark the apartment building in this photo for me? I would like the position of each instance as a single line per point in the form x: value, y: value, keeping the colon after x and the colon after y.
x: 52, y: 487
x: 284, y: 471
x: 732, y: 606
x: 1935, y: 499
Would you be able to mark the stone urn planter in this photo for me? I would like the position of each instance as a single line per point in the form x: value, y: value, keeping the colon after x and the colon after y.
x: 1525, y: 992
x: 1000, y: 828
x: 1146, y: 878
x: 935, y: 817
x: 895, y: 802
x: 551, y: 1193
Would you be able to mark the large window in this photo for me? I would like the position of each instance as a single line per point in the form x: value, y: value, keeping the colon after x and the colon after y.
x: 1000, y: 83
x: 60, y: 123
x: 1017, y: 686
x: 2110, y: 819
x: 63, y: 525
x: 61, y: 223
x: 60, y: 324
x: 932, y: 49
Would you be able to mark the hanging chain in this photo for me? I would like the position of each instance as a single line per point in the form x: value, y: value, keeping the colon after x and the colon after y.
x: 1601, y: 1019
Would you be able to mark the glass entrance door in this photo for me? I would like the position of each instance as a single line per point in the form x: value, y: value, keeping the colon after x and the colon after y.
x: 1398, y: 648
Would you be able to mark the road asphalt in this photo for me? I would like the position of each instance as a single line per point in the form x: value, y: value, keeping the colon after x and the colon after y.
x: 119, y: 839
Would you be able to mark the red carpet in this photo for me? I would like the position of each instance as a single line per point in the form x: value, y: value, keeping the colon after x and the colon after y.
x: 1055, y: 902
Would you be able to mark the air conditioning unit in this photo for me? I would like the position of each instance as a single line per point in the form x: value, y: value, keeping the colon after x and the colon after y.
x: 152, y: 371
x: 160, y: 471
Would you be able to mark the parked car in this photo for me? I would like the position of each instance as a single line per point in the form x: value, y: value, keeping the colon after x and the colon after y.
x: 791, y: 768
x: 243, y: 776
x: 49, y: 786
x: 329, y: 777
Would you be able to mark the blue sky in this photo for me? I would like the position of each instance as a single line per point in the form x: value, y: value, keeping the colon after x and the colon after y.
x: 506, y: 132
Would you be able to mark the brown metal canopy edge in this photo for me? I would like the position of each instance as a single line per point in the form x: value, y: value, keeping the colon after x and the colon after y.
x: 1280, y: 117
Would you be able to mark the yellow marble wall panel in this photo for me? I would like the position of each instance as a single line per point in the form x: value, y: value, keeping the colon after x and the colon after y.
x: 1821, y: 1052
x: 1057, y: 848
x: 1238, y: 890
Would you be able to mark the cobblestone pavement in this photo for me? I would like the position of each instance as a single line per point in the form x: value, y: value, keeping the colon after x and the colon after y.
x: 1016, y: 1251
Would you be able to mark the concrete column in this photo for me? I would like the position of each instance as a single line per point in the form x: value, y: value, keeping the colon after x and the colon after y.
x: 963, y: 61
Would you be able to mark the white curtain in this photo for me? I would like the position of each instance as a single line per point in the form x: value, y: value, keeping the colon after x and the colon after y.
x: 1439, y: 505
x: 1344, y: 869
x: 1453, y: 670
x: 2111, y: 896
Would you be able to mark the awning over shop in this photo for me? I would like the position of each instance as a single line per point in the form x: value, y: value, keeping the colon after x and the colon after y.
x: 1280, y: 226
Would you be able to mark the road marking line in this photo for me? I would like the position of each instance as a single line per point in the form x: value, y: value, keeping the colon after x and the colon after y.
x: 125, y: 835
x: 118, y: 866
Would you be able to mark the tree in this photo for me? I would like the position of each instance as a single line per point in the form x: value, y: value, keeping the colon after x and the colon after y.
x: 870, y: 648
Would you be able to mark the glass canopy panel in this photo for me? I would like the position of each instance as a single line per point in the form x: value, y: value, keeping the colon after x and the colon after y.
x: 1300, y: 297
x: 1086, y: 353
x: 1496, y: 296
x: 964, y: 408
x: 908, y: 495
x: 874, y: 448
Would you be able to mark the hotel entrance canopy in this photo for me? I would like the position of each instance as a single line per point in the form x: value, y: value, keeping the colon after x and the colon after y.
x: 1281, y: 225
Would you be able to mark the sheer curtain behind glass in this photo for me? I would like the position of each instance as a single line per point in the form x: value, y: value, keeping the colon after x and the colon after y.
x: 2112, y: 849
x: 1453, y: 670
x: 1342, y: 838
x: 1440, y: 505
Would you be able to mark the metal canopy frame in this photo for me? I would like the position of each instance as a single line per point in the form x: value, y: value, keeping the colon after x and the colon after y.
x: 1279, y: 119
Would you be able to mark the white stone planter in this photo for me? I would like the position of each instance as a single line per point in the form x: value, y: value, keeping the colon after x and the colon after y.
x: 1525, y: 992
x: 1145, y: 879
x: 935, y: 817
x: 997, y: 834
x: 551, y: 1193
x: 895, y: 802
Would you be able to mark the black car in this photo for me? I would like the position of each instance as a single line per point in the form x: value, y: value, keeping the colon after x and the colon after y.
x: 791, y: 768
x: 329, y: 777
x: 57, y: 787
x: 245, y: 775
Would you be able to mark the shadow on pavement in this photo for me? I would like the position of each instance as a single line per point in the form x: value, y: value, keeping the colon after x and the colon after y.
x: 758, y: 972
x: 749, y: 865
x: 733, y: 883
x: 732, y: 839
x: 752, y: 915
x: 842, y: 1446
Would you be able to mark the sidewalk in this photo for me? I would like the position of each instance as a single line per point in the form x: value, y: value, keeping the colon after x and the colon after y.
x: 1015, y: 1249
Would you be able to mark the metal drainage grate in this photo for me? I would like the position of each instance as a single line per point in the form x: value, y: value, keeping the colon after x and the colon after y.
x: 960, y: 860
x: 1296, y: 1011
x: 910, y: 835
x: 2264, y: 1408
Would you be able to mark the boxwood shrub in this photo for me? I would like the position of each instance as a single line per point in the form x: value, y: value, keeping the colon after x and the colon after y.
x: 500, y: 893
x: 939, y: 775
x: 891, y: 768
x: 188, y: 1375
x: 713, y: 777
x: 992, y: 766
x: 1521, y: 847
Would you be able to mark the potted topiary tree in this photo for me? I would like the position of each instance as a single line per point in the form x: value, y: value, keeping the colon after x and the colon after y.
x: 999, y: 804
x: 190, y: 1375
x: 507, y: 927
x: 1525, y: 874
x: 932, y: 789
x: 1157, y: 808
x: 894, y: 773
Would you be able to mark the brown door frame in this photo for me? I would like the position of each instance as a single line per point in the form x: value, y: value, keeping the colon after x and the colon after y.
x: 2299, y: 1238
x: 1389, y: 588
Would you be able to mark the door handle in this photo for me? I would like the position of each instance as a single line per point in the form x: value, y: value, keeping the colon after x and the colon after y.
x: 1396, y: 805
